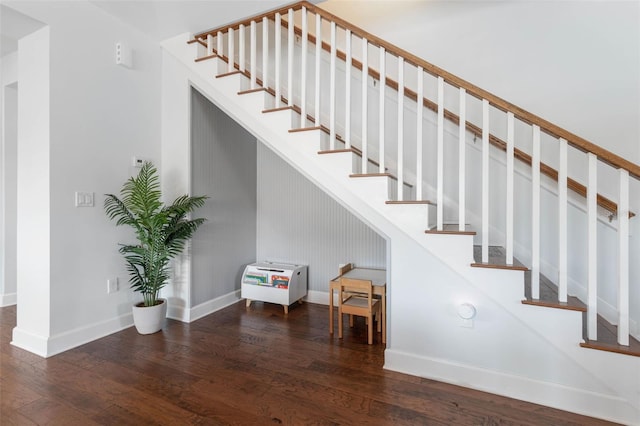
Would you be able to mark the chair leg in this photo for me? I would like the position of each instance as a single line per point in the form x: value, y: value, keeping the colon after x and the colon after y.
x: 378, y: 317
x: 339, y: 325
x: 350, y: 320
x: 370, y: 330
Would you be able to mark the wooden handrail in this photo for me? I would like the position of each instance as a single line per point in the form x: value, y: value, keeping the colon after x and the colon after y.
x: 236, y: 25
x: 503, y: 105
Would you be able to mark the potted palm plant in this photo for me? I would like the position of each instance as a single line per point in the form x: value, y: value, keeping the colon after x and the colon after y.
x: 161, y: 231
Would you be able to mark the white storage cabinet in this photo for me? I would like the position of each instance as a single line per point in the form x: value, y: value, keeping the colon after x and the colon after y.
x: 274, y: 283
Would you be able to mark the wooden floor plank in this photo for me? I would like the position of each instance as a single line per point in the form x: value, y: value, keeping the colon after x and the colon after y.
x: 241, y: 366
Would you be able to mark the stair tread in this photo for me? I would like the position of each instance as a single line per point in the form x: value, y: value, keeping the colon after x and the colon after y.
x: 607, y: 332
x: 257, y: 89
x: 549, y: 295
x: 227, y: 74
x: 608, y: 339
x: 451, y: 229
x: 336, y: 151
x: 409, y: 202
x: 633, y: 349
x: 305, y: 129
x: 204, y: 58
x: 282, y: 108
x: 497, y: 259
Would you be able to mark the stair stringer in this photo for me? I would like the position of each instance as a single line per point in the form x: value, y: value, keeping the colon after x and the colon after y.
x: 590, y: 382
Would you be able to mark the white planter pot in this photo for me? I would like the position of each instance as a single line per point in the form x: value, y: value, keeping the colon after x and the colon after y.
x: 150, y: 319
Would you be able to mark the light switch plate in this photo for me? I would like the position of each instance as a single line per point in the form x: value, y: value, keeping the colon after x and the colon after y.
x: 84, y: 199
x: 112, y: 285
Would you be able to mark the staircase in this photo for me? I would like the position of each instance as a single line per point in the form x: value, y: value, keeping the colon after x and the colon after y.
x: 474, y: 217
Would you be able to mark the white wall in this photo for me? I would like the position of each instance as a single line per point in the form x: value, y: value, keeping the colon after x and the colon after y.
x: 299, y: 223
x: 223, y: 163
x: 574, y: 63
x: 8, y: 181
x: 33, y: 247
x: 99, y: 116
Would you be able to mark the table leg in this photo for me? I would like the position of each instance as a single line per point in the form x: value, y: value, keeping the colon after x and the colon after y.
x: 384, y: 317
x: 330, y: 309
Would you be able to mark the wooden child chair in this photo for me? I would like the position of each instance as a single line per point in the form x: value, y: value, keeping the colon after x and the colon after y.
x: 355, y: 297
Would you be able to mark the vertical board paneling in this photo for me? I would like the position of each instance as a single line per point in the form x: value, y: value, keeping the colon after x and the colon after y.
x: 298, y: 223
x: 223, y: 162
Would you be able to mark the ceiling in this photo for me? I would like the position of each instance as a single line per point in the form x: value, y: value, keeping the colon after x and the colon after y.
x: 13, y: 26
x: 159, y: 19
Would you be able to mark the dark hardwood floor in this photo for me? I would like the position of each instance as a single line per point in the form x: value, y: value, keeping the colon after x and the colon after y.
x: 240, y: 367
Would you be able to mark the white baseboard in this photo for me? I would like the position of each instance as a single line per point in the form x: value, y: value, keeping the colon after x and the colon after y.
x: 29, y: 342
x: 176, y: 309
x: 545, y: 393
x: 213, y: 305
x: 317, y: 297
x: 47, y: 347
x: 8, y: 299
x: 181, y: 314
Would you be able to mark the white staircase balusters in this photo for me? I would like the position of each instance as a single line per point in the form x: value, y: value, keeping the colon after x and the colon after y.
x: 253, y: 55
x: 400, y: 142
x: 290, y: 40
x: 231, y: 48
x: 535, y: 215
x: 485, y: 181
x: 365, y: 78
x: 440, y: 158
x: 381, y: 116
x: 563, y: 242
x: 220, y: 46
x: 242, y: 47
x: 209, y: 44
x: 278, y: 53
x: 592, y: 250
x: 623, y: 258
x: 332, y: 89
x: 509, y: 195
x: 347, y: 90
x: 462, y: 159
x: 419, y: 132
x: 303, y: 68
x: 318, y: 77
x: 265, y: 52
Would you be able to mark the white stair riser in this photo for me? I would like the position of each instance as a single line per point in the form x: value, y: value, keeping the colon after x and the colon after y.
x: 414, y: 217
x: 372, y: 189
x: 307, y: 141
x: 339, y: 162
x: 456, y: 250
x: 253, y: 101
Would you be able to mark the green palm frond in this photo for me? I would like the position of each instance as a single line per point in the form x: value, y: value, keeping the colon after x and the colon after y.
x: 162, y: 231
